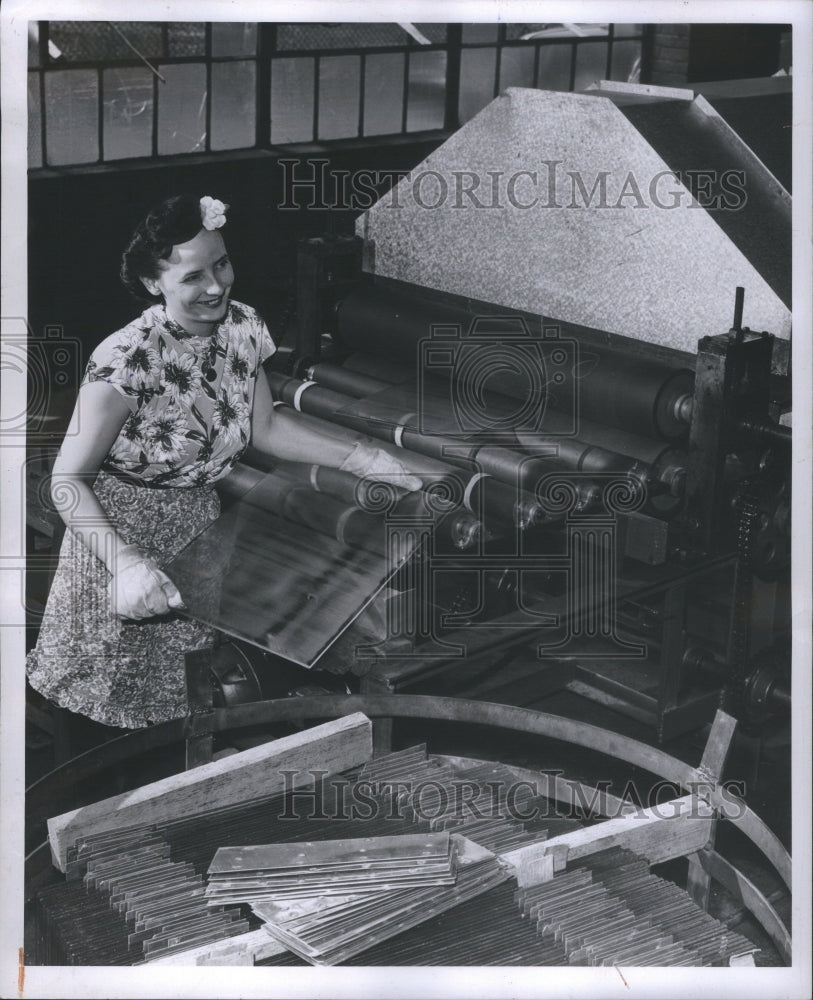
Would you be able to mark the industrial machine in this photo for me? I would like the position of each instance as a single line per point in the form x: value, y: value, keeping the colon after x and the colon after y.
x: 601, y: 441
x: 605, y: 465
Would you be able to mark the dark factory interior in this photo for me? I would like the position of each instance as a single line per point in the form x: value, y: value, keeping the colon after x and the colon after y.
x: 675, y: 663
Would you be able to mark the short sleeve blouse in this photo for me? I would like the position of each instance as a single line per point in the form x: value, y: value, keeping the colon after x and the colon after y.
x: 190, y: 397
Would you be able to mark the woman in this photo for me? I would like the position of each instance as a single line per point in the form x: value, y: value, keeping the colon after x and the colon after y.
x: 166, y: 407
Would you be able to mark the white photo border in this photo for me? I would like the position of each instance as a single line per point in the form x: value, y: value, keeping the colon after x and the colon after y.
x: 37, y: 981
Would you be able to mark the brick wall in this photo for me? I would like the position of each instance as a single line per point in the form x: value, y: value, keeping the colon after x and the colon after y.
x: 677, y: 54
x: 669, y: 58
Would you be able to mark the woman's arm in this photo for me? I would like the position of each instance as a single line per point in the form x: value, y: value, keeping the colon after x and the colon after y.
x: 98, y: 416
x: 277, y: 432
x: 140, y: 589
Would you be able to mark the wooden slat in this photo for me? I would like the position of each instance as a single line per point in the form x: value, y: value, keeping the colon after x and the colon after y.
x: 254, y: 773
x: 715, y: 754
x: 670, y: 830
x: 718, y: 744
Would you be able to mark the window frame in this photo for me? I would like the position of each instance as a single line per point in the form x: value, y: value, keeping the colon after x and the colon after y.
x: 267, y: 50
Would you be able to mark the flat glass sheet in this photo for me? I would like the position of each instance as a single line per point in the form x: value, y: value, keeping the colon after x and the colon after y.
x: 288, y: 568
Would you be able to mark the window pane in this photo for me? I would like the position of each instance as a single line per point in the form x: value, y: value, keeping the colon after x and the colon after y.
x: 291, y: 100
x: 514, y: 31
x: 33, y: 43
x: 339, y: 36
x: 186, y: 38
x: 624, y: 30
x: 626, y: 64
x: 71, y: 116
x: 427, y: 91
x: 127, y: 112
x: 34, y: 121
x: 554, y: 67
x: 477, y: 68
x: 383, y: 93
x: 567, y: 31
x: 480, y: 32
x: 436, y: 33
x: 97, y: 41
x: 339, y: 96
x: 182, y: 109
x: 233, y: 104
x: 517, y: 67
x: 591, y: 64
x: 237, y: 38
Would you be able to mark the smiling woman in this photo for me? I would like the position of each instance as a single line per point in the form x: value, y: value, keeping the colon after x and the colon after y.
x: 166, y: 408
x: 195, y: 283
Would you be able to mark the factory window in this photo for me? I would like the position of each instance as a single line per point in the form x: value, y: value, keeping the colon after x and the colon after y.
x: 104, y: 91
x: 292, y: 100
x: 339, y: 83
x: 425, y: 98
x: 546, y: 56
x: 365, y: 80
x: 101, y: 91
x: 127, y: 112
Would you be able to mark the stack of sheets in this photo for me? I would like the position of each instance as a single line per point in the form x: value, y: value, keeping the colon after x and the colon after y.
x: 331, y: 900
x: 161, y: 901
x: 330, y: 867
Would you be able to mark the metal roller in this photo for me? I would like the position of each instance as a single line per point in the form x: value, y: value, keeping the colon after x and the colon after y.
x: 597, y: 448
x: 479, y: 494
x: 613, y: 440
x: 323, y: 479
x: 450, y: 486
x: 379, y: 321
x: 239, y: 481
x: 460, y: 527
x: 615, y: 387
x: 634, y: 394
x: 343, y: 379
x: 663, y: 465
x: 377, y: 367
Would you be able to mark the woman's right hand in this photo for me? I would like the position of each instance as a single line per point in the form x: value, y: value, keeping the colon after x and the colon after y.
x: 139, y: 589
x: 368, y: 461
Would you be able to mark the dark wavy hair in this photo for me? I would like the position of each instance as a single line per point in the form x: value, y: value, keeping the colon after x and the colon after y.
x: 176, y: 220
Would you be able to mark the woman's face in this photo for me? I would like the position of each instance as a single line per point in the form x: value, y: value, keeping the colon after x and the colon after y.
x: 195, y: 281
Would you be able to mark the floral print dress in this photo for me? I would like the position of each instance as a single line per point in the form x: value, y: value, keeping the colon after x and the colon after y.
x: 190, y: 400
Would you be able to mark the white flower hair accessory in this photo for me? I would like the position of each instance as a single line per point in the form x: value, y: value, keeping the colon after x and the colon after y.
x: 212, y: 212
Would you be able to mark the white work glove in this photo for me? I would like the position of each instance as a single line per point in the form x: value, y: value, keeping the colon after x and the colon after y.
x: 368, y: 462
x: 139, y: 589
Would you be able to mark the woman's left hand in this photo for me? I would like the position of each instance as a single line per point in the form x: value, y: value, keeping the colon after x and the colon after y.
x: 370, y: 462
x: 140, y: 589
